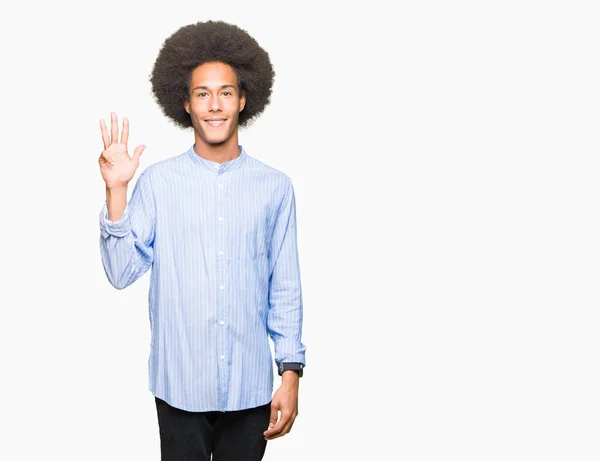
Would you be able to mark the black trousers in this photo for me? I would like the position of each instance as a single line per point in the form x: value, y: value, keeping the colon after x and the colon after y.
x: 229, y: 436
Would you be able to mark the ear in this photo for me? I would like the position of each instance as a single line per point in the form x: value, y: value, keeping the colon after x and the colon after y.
x: 242, y: 101
x: 186, y: 105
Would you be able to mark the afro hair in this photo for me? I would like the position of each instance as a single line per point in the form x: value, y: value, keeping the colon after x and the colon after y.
x: 211, y: 41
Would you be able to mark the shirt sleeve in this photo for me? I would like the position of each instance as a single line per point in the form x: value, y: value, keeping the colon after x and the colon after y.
x: 127, y: 245
x: 284, y: 321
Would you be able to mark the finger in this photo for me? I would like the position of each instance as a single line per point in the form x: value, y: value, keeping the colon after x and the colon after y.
x: 125, y: 132
x: 105, y: 138
x: 283, y: 431
x: 114, y: 128
x: 137, y: 153
x: 107, y: 158
x: 273, y: 418
x: 288, y: 426
x: 279, y: 426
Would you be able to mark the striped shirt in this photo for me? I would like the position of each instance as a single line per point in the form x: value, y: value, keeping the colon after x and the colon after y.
x: 221, y: 242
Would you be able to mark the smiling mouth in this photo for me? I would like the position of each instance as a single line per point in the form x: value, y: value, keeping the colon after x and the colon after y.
x: 215, y: 123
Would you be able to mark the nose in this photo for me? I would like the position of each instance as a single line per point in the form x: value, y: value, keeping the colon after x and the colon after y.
x: 215, y: 103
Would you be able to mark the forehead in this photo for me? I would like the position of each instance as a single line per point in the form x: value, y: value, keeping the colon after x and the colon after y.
x: 213, y: 74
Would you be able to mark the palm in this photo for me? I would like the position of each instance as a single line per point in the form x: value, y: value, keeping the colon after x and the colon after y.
x: 116, y: 166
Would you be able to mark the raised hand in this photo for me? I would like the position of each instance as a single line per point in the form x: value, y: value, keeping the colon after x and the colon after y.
x: 116, y: 166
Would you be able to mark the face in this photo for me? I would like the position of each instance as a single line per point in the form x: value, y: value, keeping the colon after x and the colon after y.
x: 214, y: 102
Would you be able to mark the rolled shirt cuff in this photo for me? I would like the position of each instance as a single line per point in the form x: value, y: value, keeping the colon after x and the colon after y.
x: 118, y: 228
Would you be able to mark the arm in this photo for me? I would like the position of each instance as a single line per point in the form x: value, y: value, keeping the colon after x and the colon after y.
x: 116, y: 201
x: 127, y: 244
x: 284, y: 321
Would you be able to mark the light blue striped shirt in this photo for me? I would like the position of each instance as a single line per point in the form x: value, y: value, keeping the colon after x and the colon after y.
x: 221, y: 242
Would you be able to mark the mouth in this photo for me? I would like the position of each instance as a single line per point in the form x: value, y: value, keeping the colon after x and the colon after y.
x: 215, y: 122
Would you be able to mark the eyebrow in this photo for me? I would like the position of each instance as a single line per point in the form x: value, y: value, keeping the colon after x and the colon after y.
x: 202, y: 87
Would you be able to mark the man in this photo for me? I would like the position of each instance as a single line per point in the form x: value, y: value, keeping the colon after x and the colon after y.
x: 218, y: 228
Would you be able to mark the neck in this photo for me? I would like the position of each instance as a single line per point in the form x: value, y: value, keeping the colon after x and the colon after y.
x: 219, y: 153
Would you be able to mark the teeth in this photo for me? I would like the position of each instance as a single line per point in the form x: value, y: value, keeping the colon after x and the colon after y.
x: 215, y: 122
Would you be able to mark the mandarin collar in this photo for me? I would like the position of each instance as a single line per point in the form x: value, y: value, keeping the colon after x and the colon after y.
x: 219, y: 167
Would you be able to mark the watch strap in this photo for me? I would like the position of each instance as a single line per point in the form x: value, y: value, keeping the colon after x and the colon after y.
x: 283, y: 366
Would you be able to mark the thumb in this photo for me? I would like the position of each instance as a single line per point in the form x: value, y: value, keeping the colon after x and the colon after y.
x: 273, y: 418
x: 137, y: 153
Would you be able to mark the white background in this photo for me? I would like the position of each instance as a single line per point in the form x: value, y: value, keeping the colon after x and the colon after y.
x: 445, y: 162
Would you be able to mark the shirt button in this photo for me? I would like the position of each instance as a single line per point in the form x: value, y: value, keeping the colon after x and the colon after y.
x: 221, y: 252
x: 220, y: 218
x: 222, y: 357
x: 221, y: 186
x: 222, y: 322
x: 221, y: 288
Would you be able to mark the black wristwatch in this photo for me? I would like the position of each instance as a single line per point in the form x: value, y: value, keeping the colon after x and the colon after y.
x: 281, y: 367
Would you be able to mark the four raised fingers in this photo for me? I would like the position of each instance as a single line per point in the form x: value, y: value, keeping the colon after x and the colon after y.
x: 114, y: 132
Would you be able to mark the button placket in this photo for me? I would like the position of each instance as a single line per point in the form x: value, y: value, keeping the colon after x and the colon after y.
x: 223, y: 289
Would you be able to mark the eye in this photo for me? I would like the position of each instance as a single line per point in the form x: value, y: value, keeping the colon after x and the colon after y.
x: 227, y: 93
x: 202, y: 94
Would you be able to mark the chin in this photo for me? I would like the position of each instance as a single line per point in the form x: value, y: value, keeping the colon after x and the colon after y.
x: 215, y: 142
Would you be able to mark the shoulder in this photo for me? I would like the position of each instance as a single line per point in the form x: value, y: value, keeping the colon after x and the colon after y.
x: 158, y: 170
x: 272, y: 174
